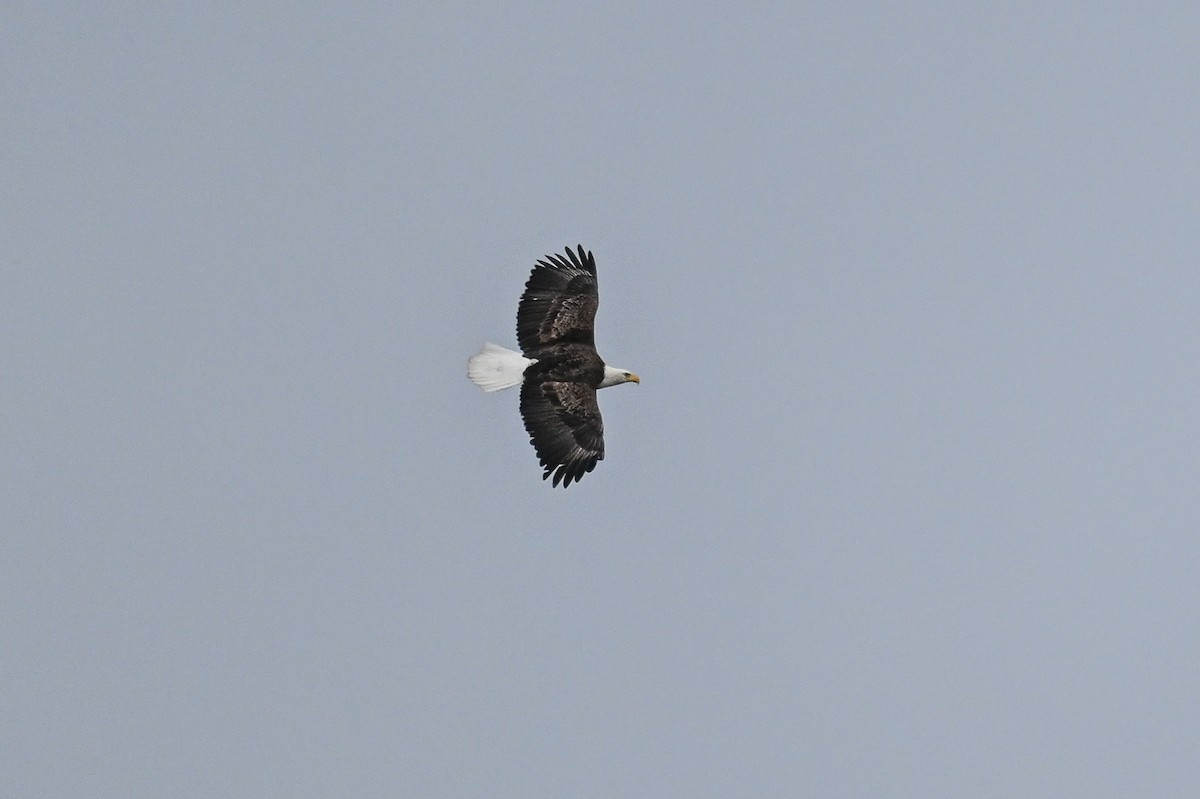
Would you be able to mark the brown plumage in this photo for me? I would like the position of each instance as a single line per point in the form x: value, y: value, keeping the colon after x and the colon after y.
x: 559, y: 304
x: 561, y: 370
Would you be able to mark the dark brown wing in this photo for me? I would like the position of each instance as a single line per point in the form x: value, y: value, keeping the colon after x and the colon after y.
x: 564, y: 425
x: 559, y: 303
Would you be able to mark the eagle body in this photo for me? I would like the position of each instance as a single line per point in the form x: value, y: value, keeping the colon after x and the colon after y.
x: 558, y: 368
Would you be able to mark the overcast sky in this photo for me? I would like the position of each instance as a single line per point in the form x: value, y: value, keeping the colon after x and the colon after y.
x: 906, y: 504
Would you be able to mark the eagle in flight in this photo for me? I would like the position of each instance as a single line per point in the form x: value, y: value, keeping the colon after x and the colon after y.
x: 558, y: 368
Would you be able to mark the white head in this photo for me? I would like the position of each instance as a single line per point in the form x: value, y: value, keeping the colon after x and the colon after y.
x: 615, y: 377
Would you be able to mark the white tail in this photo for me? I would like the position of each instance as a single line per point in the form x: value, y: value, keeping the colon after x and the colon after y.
x: 494, y: 367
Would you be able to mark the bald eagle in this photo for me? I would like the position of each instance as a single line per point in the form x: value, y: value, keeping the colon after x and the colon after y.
x: 558, y: 367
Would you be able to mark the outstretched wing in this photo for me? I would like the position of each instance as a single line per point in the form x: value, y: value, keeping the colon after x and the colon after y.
x: 559, y: 303
x: 564, y: 425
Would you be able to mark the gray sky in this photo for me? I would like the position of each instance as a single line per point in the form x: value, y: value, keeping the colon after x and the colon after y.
x: 906, y: 505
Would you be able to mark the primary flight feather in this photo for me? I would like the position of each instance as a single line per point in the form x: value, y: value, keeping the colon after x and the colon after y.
x: 558, y: 368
